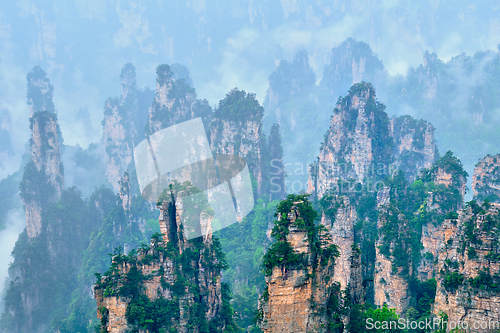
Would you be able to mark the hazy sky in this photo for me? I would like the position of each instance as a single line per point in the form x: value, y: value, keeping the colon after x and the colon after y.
x: 83, y: 44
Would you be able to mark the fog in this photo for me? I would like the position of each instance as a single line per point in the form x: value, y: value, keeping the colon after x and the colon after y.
x: 83, y: 44
x: 15, y: 225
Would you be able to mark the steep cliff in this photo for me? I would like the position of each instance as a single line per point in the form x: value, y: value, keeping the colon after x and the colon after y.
x: 300, y: 296
x: 447, y: 198
x: 351, y: 62
x: 289, y: 102
x: 40, y: 91
x: 469, y: 268
x: 411, y: 225
x: 236, y: 129
x: 43, y: 179
x: 414, y: 145
x: 363, y: 146
x: 486, y: 179
x: 175, y: 102
x: 293, y: 80
x: 339, y: 217
x: 357, y: 146
x: 373, y: 178
x: 47, y: 284
x: 277, y: 167
x: 118, y: 130
x: 393, y: 259
x: 172, y: 283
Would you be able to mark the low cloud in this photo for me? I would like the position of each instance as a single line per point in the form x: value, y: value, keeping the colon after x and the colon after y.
x: 8, y: 237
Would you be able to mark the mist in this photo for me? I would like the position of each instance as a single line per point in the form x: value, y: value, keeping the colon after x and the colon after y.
x: 8, y: 236
x: 433, y: 60
x: 238, y: 52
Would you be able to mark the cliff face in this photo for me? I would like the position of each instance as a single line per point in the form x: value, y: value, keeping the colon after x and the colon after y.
x: 124, y: 192
x: 390, y: 286
x: 179, y: 278
x: 291, y: 80
x: 486, y: 179
x: 40, y: 91
x: 116, y: 141
x: 413, y: 222
x: 363, y: 146
x: 356, y: 142
x: 340, y: 220
x: 351, y: 62
x: 175, y: 102
x: 468, y: 265
x: 428, y: 74
x: 118, y: 130
x: 434, y: 238
x: 300, y: 294
x: 361, y: 151
x: 445, y: 201
x: 236, y: 129
x: 414, y: 145
x: 43, y: 179
x: 277, y: 167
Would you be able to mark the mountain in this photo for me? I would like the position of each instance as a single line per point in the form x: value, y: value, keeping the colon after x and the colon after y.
x: 171, y: 284
x: 458, y: 97
x: 69, y: 234
x: 395, y: 212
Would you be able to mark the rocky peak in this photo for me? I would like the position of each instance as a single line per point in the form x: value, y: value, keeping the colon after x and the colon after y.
x: 43, y: 179
x: 428, y: 74
x: 298, y: 268
x: 486, y: 179
x: 429, y: 62
x: 119, y: 130
x: 175, y: 102
x: 351, y: 62
x: 172, y: 283
x: 414, y: 145
x: 289, y: 80
x: 292, y: 87
x: 40, y: 91
x: 447, y: 171
x: 124, y: 192
x: 356, y: 144
x: 128, y: 84
x: 116, y: 140
x: 236, y: 129
x: 382, y: 176
x: 164, y: 83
